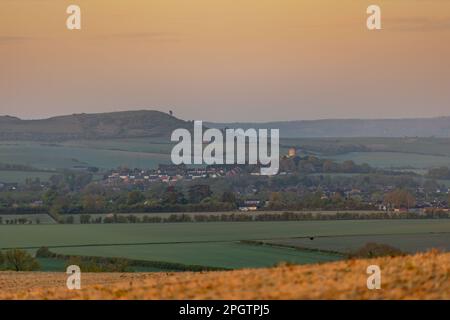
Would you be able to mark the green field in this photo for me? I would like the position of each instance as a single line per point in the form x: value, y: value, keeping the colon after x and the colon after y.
x: 334, y: 146
x: 52, y: 265
x: 345, y: 244
x: 61, y: 156
x: 418, y: 153
x: 210, y: 244
x: 148, y: 145
x: 217, y: 254
x: 388, y: 160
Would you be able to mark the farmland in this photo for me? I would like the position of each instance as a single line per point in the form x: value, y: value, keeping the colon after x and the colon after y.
x: 61, y: 156
x: 394, y: 160
x: 215, y: 244
x: 417, y: 153
x: 75, y: 235
x: 346, y: 244
x: 336, y: 145
x: 229, y: 255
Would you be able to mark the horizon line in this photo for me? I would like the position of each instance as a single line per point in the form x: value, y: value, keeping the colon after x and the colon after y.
x: 228, y: 122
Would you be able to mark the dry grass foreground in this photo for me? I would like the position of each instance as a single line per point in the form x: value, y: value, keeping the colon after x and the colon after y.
x: 422, y: 276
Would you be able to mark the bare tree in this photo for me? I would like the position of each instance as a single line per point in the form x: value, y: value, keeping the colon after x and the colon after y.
x: 20, y: 260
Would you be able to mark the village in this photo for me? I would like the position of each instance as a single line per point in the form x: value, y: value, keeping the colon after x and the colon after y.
x: 425, y: 199
x: 304, y: 181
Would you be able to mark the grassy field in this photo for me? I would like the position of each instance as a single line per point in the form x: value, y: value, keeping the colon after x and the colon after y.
x: 330, y: 146
x: 148, y: 145
x: 423, y: 276
x: 34, y: 236
x: 210, y: 244
x: 52, y: 265
x: 410, y: 243
x: 61, y: 156
x: 394, y: 160
x: 419, y: 153
x: 230, y: 255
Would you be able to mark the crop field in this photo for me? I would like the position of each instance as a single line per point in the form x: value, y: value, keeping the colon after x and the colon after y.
x: 60, y: 156
x: 34, y: 236
x: 330, y: 146
x: 410, y: 243
x: 230, y: 255
x: 209, y: 244
x: 149, y: 152
x: 417, y: 153
x: 148, y: 145
x: 394, y: 160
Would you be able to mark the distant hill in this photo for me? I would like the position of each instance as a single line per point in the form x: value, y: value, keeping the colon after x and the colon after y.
x: 419, y: 127
x: 144, y: 123
x: 127, y: 124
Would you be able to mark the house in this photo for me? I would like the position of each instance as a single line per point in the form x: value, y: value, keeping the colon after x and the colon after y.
x: 292, y: 152
x: 250, y: 205
x: 37, y: 203
x: 6, y: 186
x: 164, y: 178
x: 245, y: 209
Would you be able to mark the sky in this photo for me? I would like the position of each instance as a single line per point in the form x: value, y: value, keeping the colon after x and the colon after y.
x: 226, y: 60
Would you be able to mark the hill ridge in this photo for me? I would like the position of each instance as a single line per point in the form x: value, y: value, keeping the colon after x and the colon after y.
x: 123, y: 124
x: 152, y: 123
x: 328, y: 128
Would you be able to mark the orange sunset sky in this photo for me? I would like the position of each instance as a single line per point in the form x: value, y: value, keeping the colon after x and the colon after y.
x: 246, y: 60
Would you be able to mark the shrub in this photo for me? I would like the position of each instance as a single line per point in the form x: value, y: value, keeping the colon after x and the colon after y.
x: 98, y: 264
x: 85, y: 219
x: 70, y: 220
x: 2, y: 260
x: 44, y: 252
x: 20, y: 260
x: 374, y: 250
x: 105, y: 264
